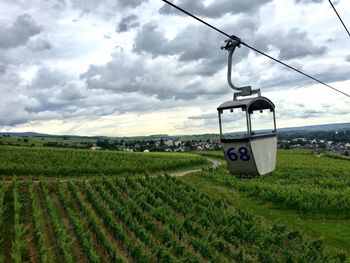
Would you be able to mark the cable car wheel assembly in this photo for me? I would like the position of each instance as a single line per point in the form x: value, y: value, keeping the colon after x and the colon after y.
x: 248, y: 155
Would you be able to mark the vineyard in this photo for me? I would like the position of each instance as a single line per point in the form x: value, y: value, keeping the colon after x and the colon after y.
x: 69, y: 162
x: 139, y: 219
x: 59, y: 205
x: 305, y: 192
x: 301, y: 182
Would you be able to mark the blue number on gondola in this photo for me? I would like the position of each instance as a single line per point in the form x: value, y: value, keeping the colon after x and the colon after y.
x: 231, y: 154
x: 243, y: 154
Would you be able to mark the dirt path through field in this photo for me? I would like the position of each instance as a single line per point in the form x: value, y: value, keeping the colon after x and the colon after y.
x: 215, y: 163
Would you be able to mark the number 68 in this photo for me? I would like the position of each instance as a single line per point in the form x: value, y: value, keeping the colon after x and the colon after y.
x: 243, y: 154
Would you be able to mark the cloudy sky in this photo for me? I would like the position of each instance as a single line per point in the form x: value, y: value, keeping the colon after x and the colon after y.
x: 138, y: 67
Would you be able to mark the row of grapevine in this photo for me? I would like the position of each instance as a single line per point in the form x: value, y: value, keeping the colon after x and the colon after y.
x: 170, y: 240
x: 169, y: 211
x: 63, y: 238
x: 147, y: 219
x: 3, y: 189
x: 208, y: 244
x: 36, y: 214
x: 302, y: 189
x: 134, y: 247
x: 95, y: 225
x: 19, y: 242
x: 79, y: 225
x: 142, y: 226
x: 159, y: 208
x: 266, y: 245
x: 125, y: 214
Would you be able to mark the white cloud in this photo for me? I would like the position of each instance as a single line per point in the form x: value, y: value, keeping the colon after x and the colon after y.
x: 136, y: 67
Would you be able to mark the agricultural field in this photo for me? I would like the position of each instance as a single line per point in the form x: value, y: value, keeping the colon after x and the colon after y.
x: 71, y: 162
x: 59, y: 205
x: 301, y: 182
x: 218, y: 155
x: 308, y: 192
x: 75, y: 142
x: 139, y: 219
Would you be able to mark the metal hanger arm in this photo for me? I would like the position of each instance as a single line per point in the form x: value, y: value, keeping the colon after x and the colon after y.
x: 230, y: 46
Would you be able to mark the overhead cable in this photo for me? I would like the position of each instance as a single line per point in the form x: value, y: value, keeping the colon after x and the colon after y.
x: 335, y: 10
x: 252, y: 48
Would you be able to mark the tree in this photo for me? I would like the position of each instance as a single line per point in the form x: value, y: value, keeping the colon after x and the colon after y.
x: 105, y: 144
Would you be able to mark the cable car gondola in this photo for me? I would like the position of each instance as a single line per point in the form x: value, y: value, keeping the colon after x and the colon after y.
x: 250, y: 154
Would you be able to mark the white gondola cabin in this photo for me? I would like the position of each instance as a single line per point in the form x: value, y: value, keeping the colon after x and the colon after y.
x: 249, y: 154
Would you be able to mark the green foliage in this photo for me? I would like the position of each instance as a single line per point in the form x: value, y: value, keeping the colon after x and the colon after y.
x: 36, y: 226
x: 94, y: 225
x: 19, y: 242
x: 155, y: 219
x: 212, y: 154
x: 79, y: 226
x: 300, y: 182
x: 161, y: 219
x: 69, y: 162
x: 3, y: 189
x: 63, y: 238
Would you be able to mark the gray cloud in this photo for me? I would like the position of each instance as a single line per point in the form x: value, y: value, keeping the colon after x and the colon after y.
x: 123, y: 75
x: 201, y: 57
x: 204, y: 116
x: 39, y: 45
x: 216, y: 8
x: 12, y: 100
x: 19, y: 32
x: 307, y: 113
x: 150, y: 40
x: 287, y: 78
x: 292, y: 44
x: 187, y: 70
x: 198, y: 45
x: 120, y: 73
x: 130, y: 3
x: 333, y: 73
x: 106, y: 8
x: 50, y: 95
x: 48, y: 79
x: 194, y: 44
x: 203, y: 121
x: 308, y: 1
x: 54, y: 95
x: 127, y: 23
x: 296, y: 110
x: 296, y: 44
x: 3, y: 68
x: 52, y: 90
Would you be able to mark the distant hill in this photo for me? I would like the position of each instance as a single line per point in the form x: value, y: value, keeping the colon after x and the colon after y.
x: 311, y: 128
x: 322, y: 127
x: 36, y: 134
x: 25, y: 134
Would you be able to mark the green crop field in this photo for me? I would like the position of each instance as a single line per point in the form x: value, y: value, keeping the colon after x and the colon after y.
x: 301, y: 182
x: 42, y: 141
x: 69, y: 162
x: 307, y: 192
x: 56, y: 210
x: 156, y: 219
